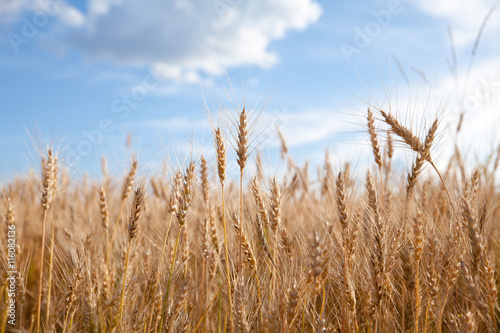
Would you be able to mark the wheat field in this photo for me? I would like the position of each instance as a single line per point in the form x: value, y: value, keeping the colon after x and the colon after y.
x: 192, y: 250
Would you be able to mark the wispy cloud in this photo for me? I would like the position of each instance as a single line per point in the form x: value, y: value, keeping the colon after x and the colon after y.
x: 174, y: 125
x: 299, y: 127
x: 465, y: 17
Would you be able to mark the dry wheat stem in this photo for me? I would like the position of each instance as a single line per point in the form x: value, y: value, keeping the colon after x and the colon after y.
x: 226, y: 245
x: 127, y: 187
x: 39, y: 304
x: 132, y: 230
x: 51, y: 266
x: 48, y: 178
x: 165, y: 299
x: 184, y: 203
x: 242, y: 156
x: 221, y: 169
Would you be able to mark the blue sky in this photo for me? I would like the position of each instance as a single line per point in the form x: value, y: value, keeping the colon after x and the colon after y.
x: 84, y: 74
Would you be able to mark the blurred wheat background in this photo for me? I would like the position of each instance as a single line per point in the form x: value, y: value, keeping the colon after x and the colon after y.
x: 236, y: 166
x: 193, y: 250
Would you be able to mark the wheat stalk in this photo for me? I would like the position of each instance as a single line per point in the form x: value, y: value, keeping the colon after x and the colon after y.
x: 49, y: 178
x: 423, y: 155
x: 184, y: 203
x: 221, y: 170
x: 242, y: 156
x: 127, y: 188
x: 373, y: 139
x: 204, y: 181
x: 132, y: 234
x: 403, y: 132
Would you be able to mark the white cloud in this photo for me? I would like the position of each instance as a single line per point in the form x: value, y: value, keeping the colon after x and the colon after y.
x: 191, y: 38
x: 465, y: 17
x: 11, y: 10
x: 176, y: 124
x: 308, y: 126
x: 177, y: 73
x: 299, y: 127
x: 479, y: 98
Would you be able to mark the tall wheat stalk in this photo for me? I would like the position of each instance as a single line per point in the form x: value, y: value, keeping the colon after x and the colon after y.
x: 185, y: 200
x: 242, y: 156
x: 132, y: 231
x: 127, y: 188
x: 220, y: 147
x: 49, y: 178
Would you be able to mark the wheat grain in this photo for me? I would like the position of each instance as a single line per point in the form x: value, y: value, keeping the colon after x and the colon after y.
x: 374, y: 140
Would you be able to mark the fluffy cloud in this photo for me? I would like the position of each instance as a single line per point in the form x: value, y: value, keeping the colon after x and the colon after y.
x: 190, y: 36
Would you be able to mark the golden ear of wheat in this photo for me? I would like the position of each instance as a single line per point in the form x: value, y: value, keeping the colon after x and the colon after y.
x: 221, y: 155
x: 129, y: 181
x: 374, y: 140
x: 242, y: 144
x: 136, y: 212
x: 404, y: 133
